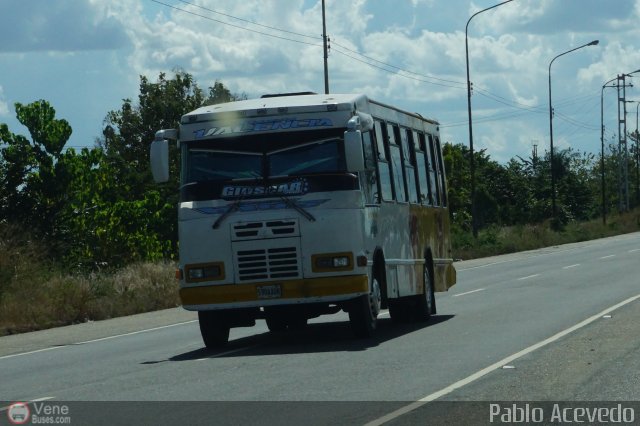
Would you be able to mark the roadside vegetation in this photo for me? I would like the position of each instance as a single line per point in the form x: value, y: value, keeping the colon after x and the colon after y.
x: 37, y: 293
x: 86, y: 235
x: 495, y: 240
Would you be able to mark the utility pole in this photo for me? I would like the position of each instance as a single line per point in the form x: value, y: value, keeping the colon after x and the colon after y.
x: 326, y: 51
x: 637, y: 155
x: 623, y: 151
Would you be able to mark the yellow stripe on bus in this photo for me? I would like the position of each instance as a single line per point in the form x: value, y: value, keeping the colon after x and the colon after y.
x: 294, y: 289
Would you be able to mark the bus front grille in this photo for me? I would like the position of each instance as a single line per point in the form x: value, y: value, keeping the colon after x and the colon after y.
x: 242, y: 231
x: 267, y: 264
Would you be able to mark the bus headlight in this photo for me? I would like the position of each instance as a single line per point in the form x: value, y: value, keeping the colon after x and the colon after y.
x: 204, y: 272
x: 332, y: 262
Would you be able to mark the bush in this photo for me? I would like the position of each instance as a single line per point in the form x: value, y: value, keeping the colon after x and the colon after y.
x: 41, y: 297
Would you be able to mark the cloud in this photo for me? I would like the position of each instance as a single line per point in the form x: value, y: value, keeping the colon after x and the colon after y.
x: 60, y: 25
x: 409, y: 54
x: 555, y: 17
x: 4, y: 106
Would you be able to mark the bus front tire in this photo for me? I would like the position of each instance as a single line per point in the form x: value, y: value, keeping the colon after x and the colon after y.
x: 363, y: 313
x: 213, y: 328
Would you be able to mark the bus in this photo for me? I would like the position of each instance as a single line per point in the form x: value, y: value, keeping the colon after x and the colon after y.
x: 298, y: 205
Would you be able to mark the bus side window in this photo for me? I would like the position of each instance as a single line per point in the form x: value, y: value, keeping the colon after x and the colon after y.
x: 433, y: 169
x: 409, y: 158
x: 369, y: 181
x: 441, y: 175
x: 422, y: 175
x: 429, y: 196
x: 384, y: 171
x: 396, y: 163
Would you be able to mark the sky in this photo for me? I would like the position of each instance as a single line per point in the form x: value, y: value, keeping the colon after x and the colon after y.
x: 85, y: 56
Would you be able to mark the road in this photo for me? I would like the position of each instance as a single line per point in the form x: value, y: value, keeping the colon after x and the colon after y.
x: 560, y: 323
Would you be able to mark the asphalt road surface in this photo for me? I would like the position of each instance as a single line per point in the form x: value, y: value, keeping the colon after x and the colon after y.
x: 557, y: 324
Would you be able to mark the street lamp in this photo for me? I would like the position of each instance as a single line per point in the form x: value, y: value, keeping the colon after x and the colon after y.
x: 553, y: 176
x: 474, y: 223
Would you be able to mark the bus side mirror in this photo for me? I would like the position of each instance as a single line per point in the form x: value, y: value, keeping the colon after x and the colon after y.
x: 159, y: 156
x: 353, y: 151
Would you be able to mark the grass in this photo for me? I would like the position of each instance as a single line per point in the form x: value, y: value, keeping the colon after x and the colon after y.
x: 501, y: 240
x: 50, y: 299
x: 36, y: 294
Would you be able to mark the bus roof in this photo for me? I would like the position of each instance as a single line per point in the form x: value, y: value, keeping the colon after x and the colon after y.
x: 290, y: 103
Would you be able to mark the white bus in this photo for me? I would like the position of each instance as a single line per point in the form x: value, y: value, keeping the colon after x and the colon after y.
x: 297, y: 205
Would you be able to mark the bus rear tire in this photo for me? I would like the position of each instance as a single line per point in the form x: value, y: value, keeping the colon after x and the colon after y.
x: 363, y: 313
x: 213, y: 328
x: 426, y: 302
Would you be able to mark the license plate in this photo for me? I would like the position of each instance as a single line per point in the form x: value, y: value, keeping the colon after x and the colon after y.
x: 269, y: 291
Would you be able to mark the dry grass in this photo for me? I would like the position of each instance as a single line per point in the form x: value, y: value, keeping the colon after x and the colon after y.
x: 35, y: 298
x: 501, y: 240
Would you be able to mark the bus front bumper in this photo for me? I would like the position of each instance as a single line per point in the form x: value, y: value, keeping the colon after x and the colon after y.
x: 312, y: 290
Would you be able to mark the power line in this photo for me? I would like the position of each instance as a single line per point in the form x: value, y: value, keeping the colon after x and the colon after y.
x: 372, y: 62
x: 249, y: 22
x: 576, y: 123
x: 423, y: 80
x: 486, y: 119
x: 235, y: 26
x: 461, y: 83
x: 509, y: 103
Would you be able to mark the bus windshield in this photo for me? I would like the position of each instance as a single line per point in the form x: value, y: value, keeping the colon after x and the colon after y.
x: 207, y: 164
x: 323, y: 156
x: 209, y: 167
x: 317, y: 157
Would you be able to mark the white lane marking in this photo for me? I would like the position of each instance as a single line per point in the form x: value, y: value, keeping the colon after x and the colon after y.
x: 571, y: 266
x: 134, y: 332
x: 31, y: 401
x: 506, y: 361
x: 532, y: 256
x: 31, y: 352
x: 608, y: 257
x: 468, y: 292
x: 634, y: 250
x: 528, y: 277
x: 96, y: 340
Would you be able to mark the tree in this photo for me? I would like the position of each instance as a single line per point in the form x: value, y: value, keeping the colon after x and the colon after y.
x: 34, y: 179
x: 129, y: 131
x: 99, y: 206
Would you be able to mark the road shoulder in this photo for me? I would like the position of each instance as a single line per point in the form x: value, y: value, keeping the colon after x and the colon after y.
x: 73, y: 334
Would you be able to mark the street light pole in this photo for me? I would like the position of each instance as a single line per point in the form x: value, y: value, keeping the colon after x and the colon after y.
x: 472, y: 166
x: 604, y: 205
x: 553, y: 176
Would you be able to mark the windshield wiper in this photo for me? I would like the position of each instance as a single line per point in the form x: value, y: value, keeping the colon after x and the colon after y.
x: 292, y: 204
x: 234, y: 207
